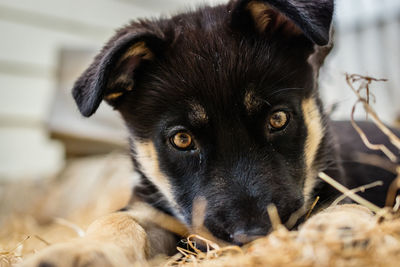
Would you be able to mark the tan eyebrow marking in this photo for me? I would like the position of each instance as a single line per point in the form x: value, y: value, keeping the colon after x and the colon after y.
x: 251, y: 101
x: 197, y: 114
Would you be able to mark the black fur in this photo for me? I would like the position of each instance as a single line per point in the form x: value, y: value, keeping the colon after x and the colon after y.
x: 213, y: 57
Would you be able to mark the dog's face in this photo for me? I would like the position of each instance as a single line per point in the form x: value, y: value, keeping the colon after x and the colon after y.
x: 221, y: 105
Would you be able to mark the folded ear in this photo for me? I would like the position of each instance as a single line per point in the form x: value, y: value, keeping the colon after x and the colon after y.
x: 112, y: 72
x: 311, y: 17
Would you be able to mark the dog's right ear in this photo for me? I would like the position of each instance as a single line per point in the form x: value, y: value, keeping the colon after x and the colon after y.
x: 112, y: 72
x: 309, y: 17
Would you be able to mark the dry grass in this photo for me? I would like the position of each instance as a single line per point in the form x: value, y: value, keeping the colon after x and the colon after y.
x: 34, y: 216
x: 348, y: 235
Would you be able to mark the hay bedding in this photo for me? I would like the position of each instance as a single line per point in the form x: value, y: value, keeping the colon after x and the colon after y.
x: 344, y: 235
x: 34, y: 216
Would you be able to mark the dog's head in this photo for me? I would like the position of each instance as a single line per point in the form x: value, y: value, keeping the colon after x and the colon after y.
x: 221, y: 104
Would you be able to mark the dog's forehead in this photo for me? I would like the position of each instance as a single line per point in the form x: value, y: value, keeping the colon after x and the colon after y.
x: 205, y: 62
x: 208, y: 70
x: 204, y: 78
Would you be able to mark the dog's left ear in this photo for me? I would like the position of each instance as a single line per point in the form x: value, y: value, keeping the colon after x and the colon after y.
x: 114, y: 70
x: 311, y: 17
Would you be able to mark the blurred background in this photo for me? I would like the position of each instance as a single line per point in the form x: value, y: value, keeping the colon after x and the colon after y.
x: 46, y: 44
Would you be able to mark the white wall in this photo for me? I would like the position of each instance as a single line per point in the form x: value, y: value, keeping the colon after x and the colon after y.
x: 32, y: 34
x: 367, y: 41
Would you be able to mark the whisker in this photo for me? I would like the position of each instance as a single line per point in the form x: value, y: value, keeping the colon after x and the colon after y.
x: 284, y: 78
x: 277, y: 92
x: 285, y: 89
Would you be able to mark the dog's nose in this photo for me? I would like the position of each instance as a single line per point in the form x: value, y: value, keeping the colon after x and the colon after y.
x: 242, y: 236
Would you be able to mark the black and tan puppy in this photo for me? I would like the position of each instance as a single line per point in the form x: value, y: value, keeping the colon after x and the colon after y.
x: 221, y: 103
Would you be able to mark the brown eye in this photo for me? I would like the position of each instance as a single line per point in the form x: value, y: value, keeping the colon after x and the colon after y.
x: 182, y: 141
x: 278, y: 120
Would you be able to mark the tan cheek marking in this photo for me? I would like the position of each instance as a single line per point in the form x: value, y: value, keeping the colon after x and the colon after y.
x: 315, y: 133
x: 198, y: 114
x: 258, y: 12
x: 146, y: 155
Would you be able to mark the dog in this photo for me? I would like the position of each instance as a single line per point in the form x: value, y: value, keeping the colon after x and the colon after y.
x: 221, y: 104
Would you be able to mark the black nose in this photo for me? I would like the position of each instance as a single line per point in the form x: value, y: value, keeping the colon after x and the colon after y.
x: 241, y: 236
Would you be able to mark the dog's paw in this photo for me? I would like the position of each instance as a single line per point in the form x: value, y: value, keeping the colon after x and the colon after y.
x: 78, y: 254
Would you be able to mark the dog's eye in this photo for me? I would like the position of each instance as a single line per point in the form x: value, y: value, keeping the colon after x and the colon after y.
x: 278, y: 120
x: 182, y: 141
